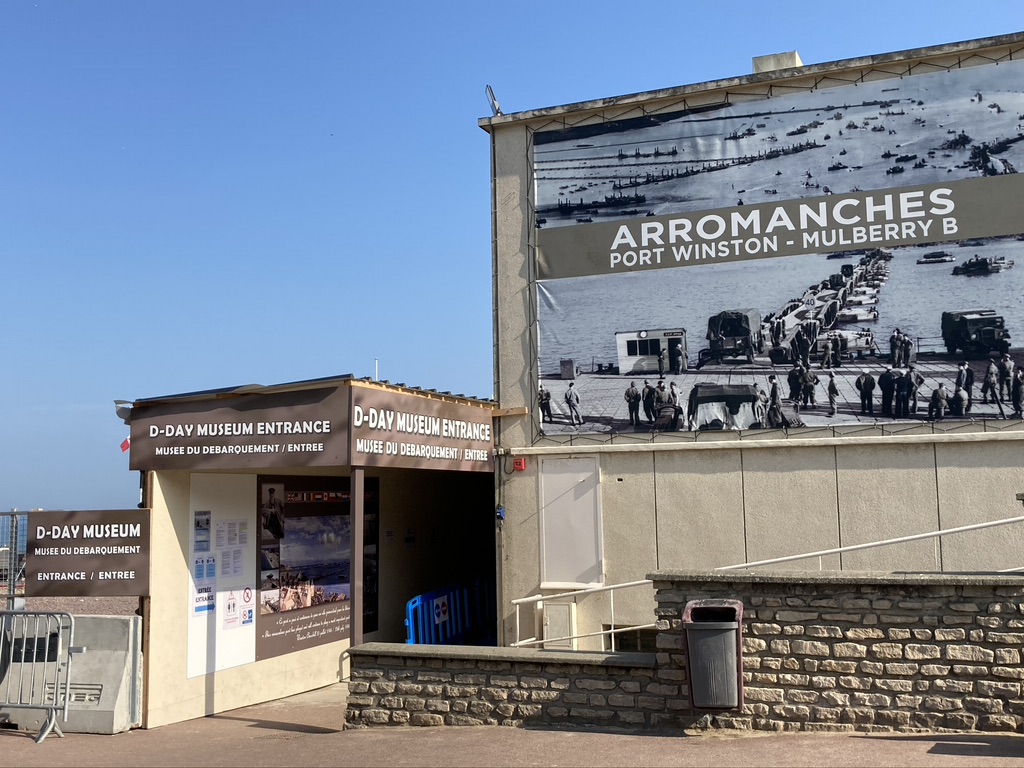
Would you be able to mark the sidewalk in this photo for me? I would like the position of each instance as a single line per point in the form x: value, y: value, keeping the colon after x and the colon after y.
x: 306, y: 730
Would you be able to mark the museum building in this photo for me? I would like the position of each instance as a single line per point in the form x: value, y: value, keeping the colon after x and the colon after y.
x: 290, y: 522
x: 625, y: 224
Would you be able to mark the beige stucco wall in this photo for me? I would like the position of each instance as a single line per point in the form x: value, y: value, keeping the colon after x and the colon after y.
x: 437, y: 519
x: 170, y: 695
x: 691, y: 507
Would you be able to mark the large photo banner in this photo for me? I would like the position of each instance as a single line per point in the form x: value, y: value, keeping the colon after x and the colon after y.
x: 839, y: 256
x: 305, y: 559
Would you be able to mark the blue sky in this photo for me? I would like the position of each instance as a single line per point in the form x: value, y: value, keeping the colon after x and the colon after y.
x: 199, y: 194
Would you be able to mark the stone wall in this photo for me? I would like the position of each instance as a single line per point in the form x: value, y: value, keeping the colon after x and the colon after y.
x: 894, y: 652
x: 428, y: 685
x: 820, y: 652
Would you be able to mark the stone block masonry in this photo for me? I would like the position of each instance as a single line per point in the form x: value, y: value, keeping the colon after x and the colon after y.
x: 839, y: 651
x: 428, y: 685
x: 865, y: 652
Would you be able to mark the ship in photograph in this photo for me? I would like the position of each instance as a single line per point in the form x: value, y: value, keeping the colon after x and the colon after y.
x: 936, y: 257
x: 983, y: 265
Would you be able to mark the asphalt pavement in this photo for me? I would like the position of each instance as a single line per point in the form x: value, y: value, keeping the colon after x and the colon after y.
x: 306, y: 730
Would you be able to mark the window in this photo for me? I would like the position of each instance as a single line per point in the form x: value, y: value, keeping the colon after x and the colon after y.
x: 632, y: 640
x: 638, y: 347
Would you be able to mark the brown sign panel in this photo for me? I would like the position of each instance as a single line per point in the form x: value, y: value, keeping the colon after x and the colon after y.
x: 88, y: 554
x: 394, y: 429
x: 283, y: 429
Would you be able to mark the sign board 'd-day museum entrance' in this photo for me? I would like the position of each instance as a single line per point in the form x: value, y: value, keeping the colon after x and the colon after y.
x: 290, y: 522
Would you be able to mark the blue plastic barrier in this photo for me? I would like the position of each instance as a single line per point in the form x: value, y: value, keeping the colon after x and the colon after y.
x: 439, y: 617
x: 452, y: 616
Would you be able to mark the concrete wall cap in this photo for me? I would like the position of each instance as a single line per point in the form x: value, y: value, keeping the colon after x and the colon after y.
x: 518, y: 655
x: 973, y: 578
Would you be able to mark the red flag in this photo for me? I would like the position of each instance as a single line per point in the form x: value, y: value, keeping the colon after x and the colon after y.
x: 126, y: 444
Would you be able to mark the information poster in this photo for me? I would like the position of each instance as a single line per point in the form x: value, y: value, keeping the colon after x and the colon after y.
x: 222, y: 606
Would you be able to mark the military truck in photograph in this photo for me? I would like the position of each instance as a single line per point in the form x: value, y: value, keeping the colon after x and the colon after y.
x: 732, y: 406
x: 975, y: 332
x: 733, y: 333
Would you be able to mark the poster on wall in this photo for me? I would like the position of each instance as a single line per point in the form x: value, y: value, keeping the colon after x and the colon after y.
x: 304, y: 593
x: 843, y: 255
x: 221, y: 611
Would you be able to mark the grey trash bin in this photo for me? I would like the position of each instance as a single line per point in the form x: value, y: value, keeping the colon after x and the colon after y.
x: 567, y: 369
x: 714, y: 654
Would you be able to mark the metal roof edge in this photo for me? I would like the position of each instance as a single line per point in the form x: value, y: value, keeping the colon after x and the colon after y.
x: 488, y: 123
x: 295, y: 386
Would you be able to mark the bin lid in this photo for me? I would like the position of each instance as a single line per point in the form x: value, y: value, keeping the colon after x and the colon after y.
x: 711, y: 624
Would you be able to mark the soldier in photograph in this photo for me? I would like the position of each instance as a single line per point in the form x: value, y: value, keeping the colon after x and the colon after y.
x: 795, y: 381
x: 833, y: 393
x: 957, y: 401
x: 647, y: 395
x: 887, y: 385
x: 895, y: 346
x: 907, y: 349
x: 775, y: 418
x: 809, y: 383
x: 939, y: 403
x: 632, y: 398
x: 991, y: 383
x: 904, y: 389
x: 544, y: 399
x: 1006, y: 367
x: 965, y: 380
x: 572, y: 400
x: 673, y: 394
x: 865, y: 384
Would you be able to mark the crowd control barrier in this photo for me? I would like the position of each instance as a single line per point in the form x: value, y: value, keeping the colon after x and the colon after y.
x: 36, y: 648
x: 452, y: 616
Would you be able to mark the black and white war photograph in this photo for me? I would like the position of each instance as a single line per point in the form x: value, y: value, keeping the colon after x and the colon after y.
x: 838, y: 256
x: 271, y: 512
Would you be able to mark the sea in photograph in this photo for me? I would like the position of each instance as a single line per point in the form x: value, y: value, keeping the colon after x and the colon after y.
x: 579, y: 317
x: 926, y: 129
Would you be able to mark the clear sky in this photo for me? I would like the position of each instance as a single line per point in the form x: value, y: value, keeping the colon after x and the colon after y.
x: 208, y: 193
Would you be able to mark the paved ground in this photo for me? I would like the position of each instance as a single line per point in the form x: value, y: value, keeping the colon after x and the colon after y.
x: 306, y: 730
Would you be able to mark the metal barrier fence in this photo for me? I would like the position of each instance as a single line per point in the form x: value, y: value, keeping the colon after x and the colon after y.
x: 36, y: 648
x: 13, y: 530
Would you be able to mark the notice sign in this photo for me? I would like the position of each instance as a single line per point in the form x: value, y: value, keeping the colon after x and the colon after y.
x: 204, y: 576
x: 441, y: 610
x: 88, y: 554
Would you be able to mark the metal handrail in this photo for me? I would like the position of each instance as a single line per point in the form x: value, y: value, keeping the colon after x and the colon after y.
x: 873, y: 544
x: 612, y: 588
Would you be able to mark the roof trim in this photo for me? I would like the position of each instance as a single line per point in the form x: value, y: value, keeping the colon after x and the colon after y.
x: 972, y: 46
x: 304, y: 384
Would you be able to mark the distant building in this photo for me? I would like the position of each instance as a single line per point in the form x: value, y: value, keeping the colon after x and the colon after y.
x: 20, y: 523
